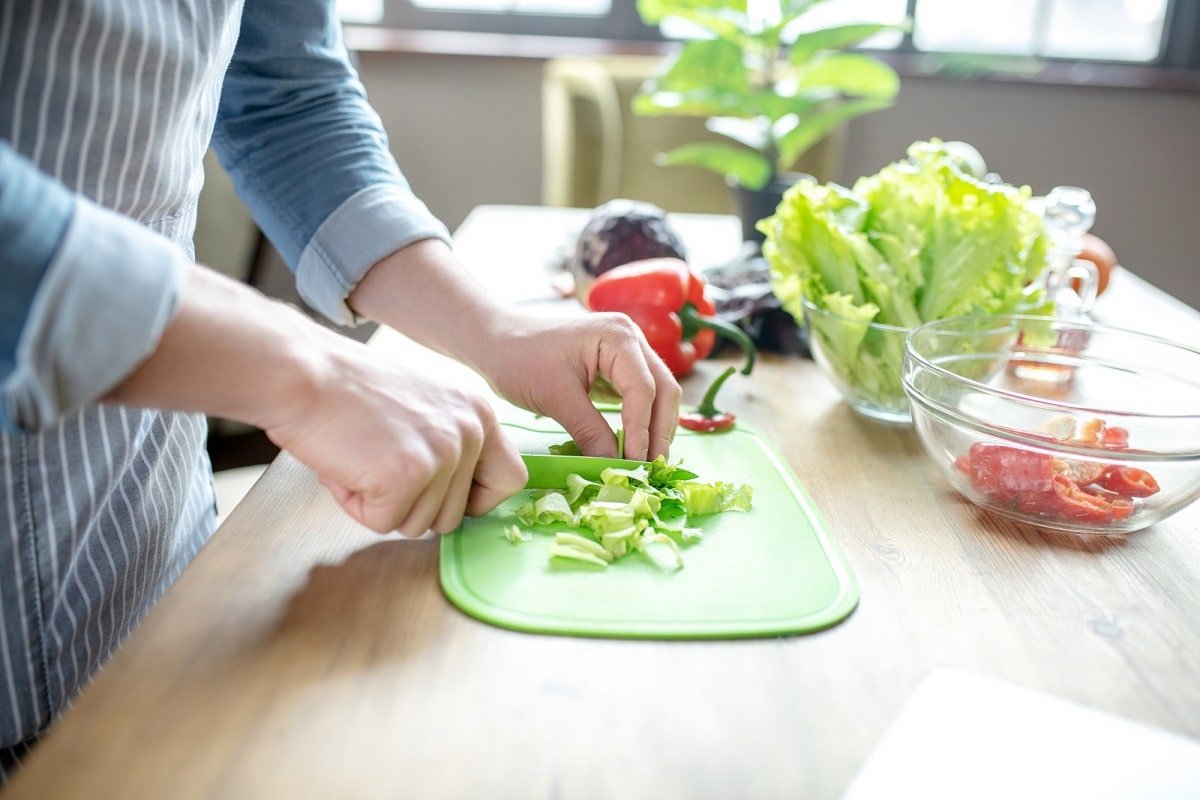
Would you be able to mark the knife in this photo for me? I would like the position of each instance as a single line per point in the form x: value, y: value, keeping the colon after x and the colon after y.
x: 550, y: 472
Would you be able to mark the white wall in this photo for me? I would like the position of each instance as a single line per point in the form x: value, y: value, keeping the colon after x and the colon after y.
x: 467, y: 130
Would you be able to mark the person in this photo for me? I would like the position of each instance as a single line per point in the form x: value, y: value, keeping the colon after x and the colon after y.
x: 114, y: 344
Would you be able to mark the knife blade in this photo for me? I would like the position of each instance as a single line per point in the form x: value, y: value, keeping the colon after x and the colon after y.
x: 550, y: 472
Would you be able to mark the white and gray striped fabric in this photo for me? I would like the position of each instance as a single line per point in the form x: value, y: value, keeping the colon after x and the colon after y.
x: 116, y: 99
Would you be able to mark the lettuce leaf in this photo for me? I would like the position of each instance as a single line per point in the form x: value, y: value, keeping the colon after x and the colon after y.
x: 919, y: 240
x: 644, y: 510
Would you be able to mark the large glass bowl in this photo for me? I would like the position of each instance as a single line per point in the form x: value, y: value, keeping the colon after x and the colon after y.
x: 862, y: 359
x: 1058, y: 423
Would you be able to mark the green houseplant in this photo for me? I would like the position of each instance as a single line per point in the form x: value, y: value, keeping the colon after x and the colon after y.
x: 765, y: 81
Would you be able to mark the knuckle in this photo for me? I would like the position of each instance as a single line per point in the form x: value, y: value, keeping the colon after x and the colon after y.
x: 620, y: 325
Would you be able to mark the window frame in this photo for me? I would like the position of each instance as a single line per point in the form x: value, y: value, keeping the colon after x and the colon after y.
x: 1179, y: 48
x: 621, y: 23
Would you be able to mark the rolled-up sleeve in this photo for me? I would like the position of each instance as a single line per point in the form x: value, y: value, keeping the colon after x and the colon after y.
x: 85, y: 295
x: 309, y: 156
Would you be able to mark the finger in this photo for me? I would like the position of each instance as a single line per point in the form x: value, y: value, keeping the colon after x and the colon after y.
x: 459, y: 491
x: 665, y: 412
x: 350, y: 501
x: 427, y: 507
x: 499, y: 474
x: 629, y: 374
x: 395, y: 489
x: 586, y: 425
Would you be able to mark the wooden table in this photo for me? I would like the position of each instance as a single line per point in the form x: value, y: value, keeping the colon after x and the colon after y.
x: 302, y: 656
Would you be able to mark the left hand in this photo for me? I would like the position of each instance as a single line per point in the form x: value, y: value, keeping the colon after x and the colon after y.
x: 549, y: 365
x: 545, y: 364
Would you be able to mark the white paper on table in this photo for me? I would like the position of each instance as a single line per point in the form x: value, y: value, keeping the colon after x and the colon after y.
x: 963, y: 735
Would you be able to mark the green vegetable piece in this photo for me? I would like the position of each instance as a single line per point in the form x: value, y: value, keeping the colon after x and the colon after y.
x: 642, y: 509
x: 713, y: 498
x: 575, y: 554
x: 515, y: 535
x: 582, y: 543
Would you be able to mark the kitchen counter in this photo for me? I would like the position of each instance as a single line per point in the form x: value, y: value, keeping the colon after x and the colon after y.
x: 303, y: 656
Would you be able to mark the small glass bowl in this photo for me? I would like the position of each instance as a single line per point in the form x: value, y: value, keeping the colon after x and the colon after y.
x: 863, y: 359
x: 996, y: 400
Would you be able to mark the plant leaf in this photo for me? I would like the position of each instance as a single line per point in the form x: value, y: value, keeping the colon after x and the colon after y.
x: 695, y: 103
x: 810, y: 130
x: 724, y: 18
x: 707, y: 63
x: 744, y: 166
x: 808, y: 44
x: 853, y: 74
x: 791, y: 9
x: 655, y: 11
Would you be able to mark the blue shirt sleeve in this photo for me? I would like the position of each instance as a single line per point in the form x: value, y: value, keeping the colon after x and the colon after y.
x: 34, y: 212
x: 309, y: 156
x: 85, y: 295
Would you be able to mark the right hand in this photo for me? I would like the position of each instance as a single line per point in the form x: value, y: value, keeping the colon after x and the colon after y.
x: 399, y: 450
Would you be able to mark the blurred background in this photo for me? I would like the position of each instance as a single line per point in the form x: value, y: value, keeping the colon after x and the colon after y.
x: 527, y: 102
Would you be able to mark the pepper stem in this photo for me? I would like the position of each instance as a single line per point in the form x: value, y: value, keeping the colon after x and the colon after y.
x: 693, y: 321
x: 708, y: 404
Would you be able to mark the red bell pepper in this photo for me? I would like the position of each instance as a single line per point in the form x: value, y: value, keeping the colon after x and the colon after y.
x: 665, y: 298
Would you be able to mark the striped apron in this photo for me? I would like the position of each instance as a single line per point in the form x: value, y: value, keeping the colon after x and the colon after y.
x: 116, y: 99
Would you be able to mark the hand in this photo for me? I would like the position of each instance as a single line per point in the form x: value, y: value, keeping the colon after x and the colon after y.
x: 545, y: 365
x: 549, y: 366
x: 397, y: 449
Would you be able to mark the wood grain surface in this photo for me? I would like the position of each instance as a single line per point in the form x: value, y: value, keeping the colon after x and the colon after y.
x: 302, y: 656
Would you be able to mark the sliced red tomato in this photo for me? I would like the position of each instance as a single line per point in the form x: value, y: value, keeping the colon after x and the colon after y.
x: 1006, y: 472
x: 1129, y: 482
x: 1115, y: 438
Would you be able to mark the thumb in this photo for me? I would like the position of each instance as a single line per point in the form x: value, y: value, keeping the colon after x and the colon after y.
x: 350, y: 501
x: 587, y: 426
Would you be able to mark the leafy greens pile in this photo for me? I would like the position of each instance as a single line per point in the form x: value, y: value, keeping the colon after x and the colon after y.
x: 920, y: 240
x: 628, y: 510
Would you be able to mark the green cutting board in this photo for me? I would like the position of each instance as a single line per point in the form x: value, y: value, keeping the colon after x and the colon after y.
x: 771, y: 571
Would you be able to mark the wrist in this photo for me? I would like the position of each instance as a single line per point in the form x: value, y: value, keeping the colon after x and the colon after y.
x: 425, y: 293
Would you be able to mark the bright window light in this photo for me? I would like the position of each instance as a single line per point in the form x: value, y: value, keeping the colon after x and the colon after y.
x: 993, y: 28
x: 1118, y: 30
x: 360, y: 11
x: 1104, y: 30
x: 571, y: 8
x: 849, y: 12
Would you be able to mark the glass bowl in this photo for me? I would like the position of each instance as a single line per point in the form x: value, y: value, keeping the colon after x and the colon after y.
x: 1067, y: 425
x: 863, y: 359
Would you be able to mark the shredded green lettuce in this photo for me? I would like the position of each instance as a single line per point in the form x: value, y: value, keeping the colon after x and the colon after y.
x: 643, y: 510
x: 920, y: 240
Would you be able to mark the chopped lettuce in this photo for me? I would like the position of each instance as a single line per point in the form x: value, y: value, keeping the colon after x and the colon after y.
x: 920, y: 240
x: 644, y: 510
x: 515, y: 535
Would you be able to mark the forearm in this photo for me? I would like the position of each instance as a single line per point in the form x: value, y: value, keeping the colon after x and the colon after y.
x: 423, y: 292
x: 230, y: 352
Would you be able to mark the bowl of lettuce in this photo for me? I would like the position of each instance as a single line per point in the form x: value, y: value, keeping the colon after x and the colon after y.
x: 921, y: 240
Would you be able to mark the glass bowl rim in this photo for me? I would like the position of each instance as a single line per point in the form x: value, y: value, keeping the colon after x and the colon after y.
x: 1030, y: 400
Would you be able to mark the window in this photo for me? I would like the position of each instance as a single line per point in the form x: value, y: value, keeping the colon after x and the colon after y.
x: 564, y: 7
x: 1165, y: 32
x: 1102, y: 30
